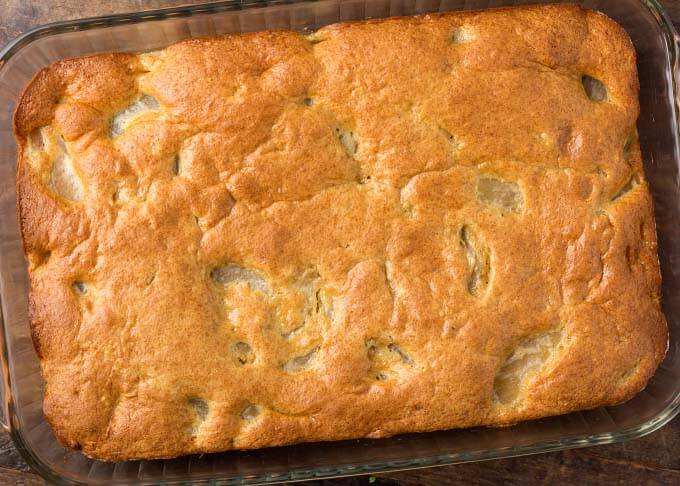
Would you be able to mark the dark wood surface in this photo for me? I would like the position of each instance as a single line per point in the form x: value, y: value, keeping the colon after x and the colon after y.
x: 651, y: 460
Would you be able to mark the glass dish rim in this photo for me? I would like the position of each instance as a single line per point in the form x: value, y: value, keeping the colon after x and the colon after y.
x: 672, y: 43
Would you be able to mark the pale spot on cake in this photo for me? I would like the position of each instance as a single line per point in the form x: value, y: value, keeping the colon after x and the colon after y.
x: 569, y: 142
x: 314, y: 302
x: 325, y: 302
x: 80, y: 288
x: 151, y: 60
x: 123, y: 192
x: 200, y: 410
x: 462, y: 35
x: 135, y: 110
x: 391, y: 283
x: 387, y: 358
x: 503, y: 195
x: 630, y: 371
x: 478, y: 262
x: 315, y: 38
x: 594, y: 88
x: 575, y: 145
x: 309, y: 305
x: 523, y: 363
x: 545, y: 139
x: 242, y: 352
x: 453, y: 143
x: 348, y: 141
x: 64, y: 180
x: 36, y: 140
x: 250, y: 412
x: 301, y: 363
x: 393, y: 348
x: 235, y: 274
x: 307, y: 286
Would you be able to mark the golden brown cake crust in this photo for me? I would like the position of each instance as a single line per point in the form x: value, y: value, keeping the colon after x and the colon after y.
x: 396, y: 225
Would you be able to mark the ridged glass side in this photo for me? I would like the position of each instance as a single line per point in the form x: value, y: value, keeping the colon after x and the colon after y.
x: 654, y: 39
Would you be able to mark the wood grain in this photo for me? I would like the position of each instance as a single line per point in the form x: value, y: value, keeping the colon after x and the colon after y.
x: 651, y: 460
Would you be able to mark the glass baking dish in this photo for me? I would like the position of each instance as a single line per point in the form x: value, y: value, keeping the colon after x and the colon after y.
x: 657, y: 45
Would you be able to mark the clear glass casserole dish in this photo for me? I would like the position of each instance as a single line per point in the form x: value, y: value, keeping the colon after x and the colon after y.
x: 657, y: 45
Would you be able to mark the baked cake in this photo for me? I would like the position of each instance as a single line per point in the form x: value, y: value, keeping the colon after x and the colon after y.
x: 388, y: 226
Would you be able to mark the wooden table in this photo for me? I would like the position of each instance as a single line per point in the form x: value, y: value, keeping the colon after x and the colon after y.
x: 654, y: 459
